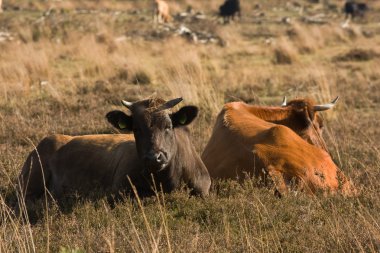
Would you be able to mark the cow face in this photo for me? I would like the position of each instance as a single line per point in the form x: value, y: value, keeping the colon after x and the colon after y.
x: 306, y: 120
x: 154, y: 127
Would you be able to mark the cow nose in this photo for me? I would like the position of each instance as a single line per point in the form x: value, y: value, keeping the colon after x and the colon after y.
x: 159, y: 157
x: 153, y: 157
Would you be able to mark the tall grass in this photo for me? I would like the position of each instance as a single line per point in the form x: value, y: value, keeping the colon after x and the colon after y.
x: 82, y: 64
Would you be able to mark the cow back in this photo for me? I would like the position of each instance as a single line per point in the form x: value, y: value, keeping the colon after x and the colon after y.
x: 93, y: 161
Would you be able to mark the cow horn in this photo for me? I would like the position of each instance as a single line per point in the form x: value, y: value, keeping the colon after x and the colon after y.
x: 127, y: 104
x: 326, y: 106
x: 284, y: 102
x: 170, y: 103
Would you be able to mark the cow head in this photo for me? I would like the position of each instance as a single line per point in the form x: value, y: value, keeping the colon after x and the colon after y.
x: 154, y: 127
x: 305, y: 120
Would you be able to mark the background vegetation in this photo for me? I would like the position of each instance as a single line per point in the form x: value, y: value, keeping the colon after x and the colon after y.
x: 64, y: 64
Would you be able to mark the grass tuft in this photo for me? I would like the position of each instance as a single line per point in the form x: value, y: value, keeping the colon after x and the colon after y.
x: 141, y: 77
x: 357, y: 54
x: 284, y: 52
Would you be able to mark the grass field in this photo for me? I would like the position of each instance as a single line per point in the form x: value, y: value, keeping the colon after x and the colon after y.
x: 65, y: 64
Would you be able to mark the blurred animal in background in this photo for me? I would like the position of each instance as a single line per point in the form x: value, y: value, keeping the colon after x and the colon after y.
x: 229, y: 9
x: 161, y: 11
x: 353, y: 9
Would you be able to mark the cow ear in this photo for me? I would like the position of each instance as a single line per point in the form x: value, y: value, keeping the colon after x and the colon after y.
x: 120, y: 120
x: 184, y: 116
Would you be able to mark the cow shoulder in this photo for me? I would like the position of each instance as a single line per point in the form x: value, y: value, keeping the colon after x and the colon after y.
x: 193, y: 171
x: 82, y: 148
x: 242, y: 122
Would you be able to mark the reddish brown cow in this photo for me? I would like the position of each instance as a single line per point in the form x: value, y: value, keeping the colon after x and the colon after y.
x: 247, y: 140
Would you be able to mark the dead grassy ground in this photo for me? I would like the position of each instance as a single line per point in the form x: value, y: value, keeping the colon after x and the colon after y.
x: 62, y: 70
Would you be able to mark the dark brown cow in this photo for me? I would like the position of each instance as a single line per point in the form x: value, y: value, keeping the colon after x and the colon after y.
x: 160, y: 147
x: 247, y: 140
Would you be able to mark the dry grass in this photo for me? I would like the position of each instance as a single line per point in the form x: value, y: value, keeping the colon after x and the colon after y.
x: 62, y: 73
x: 285, y: 52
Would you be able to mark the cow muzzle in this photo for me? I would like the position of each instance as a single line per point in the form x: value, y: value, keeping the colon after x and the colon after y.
x: 156, y: 160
